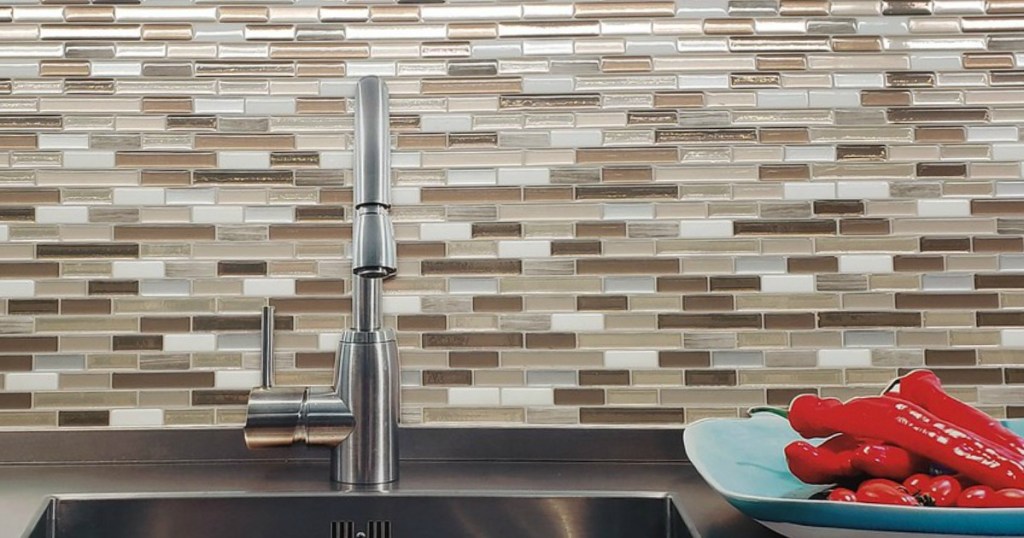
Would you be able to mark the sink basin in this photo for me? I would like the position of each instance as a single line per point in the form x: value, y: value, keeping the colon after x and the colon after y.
x: 361, y: 515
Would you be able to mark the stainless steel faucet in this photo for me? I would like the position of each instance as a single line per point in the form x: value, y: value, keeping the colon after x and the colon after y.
x: 358, y: 416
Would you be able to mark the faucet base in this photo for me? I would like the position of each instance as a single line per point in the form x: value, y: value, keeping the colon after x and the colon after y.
x: 368, y: 380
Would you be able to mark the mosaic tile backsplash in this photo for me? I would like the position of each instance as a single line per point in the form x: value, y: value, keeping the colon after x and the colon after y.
x: 643, y: 212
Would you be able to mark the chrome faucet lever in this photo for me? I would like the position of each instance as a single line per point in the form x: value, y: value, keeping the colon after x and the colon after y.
x: 364, y: 440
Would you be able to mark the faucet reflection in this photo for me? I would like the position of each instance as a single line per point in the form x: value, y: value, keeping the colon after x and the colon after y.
x: 358, y: 417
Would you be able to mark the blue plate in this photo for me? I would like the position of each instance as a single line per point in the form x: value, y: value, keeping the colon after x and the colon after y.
x: 743, y: 460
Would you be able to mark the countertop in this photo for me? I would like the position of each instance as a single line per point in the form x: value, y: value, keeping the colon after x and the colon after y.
x: 25, y: 487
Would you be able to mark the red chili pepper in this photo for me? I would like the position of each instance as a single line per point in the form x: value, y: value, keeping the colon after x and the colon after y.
x: 942, y: 491
x: 1009, y: 498
x: 881, y: 493
x: 909, y: 426
x: 887, y: 461
x: 924, y: 388
x: 975, y: 497
x: 843, y: 495
x: 821, y: 464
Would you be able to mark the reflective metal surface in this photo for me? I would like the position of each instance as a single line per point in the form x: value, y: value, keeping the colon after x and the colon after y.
x: 375, y: 516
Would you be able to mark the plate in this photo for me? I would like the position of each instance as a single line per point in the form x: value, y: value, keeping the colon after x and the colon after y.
x: 742, y: 459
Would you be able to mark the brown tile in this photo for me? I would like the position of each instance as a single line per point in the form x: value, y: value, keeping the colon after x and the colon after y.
x: 241, y: 268
x: 756, y: 79
x: 422, y: 322
x: 627, y: 155
x: 966, y: 376
x: 32, y: 306
x: 783, y: 135
x: 150, y: 232
x: 164, y: 159
x: 164, y: 324
x: 473, y: 339
x: 786, y: 321
x: 241, y: 177
x: 600, y: 229
x: 783, y: 396
x: 135, y: 342
x: 730, y: 26
x: 311, y: 305
x: 780, y: 62
x: 999, y: 281
x: 937, y: 115
x: 497, y: 229
x: 649, y: 117
x: 113, y: 287
x: 885, y: 97
x: 29, y: 196
x: 682, y: 283
x: 627, y: 174
x: 869, y: 319
x: 15, y: 363
x: 166, y: 177
x: 161, y: 380
x: 997, y: 244
x: 861, y: 152
x: 906, y: 7
x: 988, y: 60
x: 87, y: 250
x: 320, y: 286
x: 604, y: 377
x: 17, y: 141
x: 785, y: 227
x: 46, y: 121
x: 838, y: 207
x: 864, y: 227
x: 320, y: 105
x: 208, y: 323
x: 15, y: 400
x: 434, y: 141
x: 167, y: 105
x: 997, y: 207
x: 735, y: 283
x: 958, y: 301
x: 470, y: 85
x: 708, y: 302
x: 994, y: 7
x: 470, y: 195
x: 497, y: 303
x: 23, y: 214
x: 626, y: 192
x: 783, y: 172
x: 602, y: 302
x: 579, y: 396
x: 447, y: 377
x: 940, y: 134
x: 307, y: 232
x: 910, y: 79
x: 812, y: 264
x: 560, y: 193
x: 709, y: 321
x: 684, y: 359
x: 950, y: 357
x: 634, y: 266
x: 473, y: 359
x: 81, y: 419
x: 550, y: 340
x: 533, y: 102
x: 85, y: 306
x: 471, y: 267
x: 678, y: 99
x: 803, y: 8
x: 942, y: 169
x: 220, y: 397
x: 631, y: 415
x: 1000, y: 319
x: 421, y: 249
x: 704, y: 136
x: 577, y: 247
x: 314, y: 359
x: 945, y: 244
x: 910, y: 263
x: 710, y: 377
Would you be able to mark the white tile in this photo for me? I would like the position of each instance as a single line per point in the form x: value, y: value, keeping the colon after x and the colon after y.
x: 5, y: 232
x: 328, y: 341
x: 810, y: 153
x: 190, y: 342
x: 406, y: 159
x: 944, y: 208
x: 862, y: 190
x: 627, y: 211
x: 218, y: 105
x: 935, y: 61
x: 474, y: 396
x: 546, y: 47
x: 165, y: 288
x: 136, y: 418
x: 992, y: 133
x: 138, y: 269
x: 630, y: 284
x: 446, y: 123
x: 472, y: 176
x: 782, y: 99
x: 631, y: 359
x: 446, y: 231
x: 809, y: 191
x: 527, y: 396
x: 524, y: 176
x: 865, y: 263
x: 28, y: 381
x: 703, y: 82
x: 222, y: 214
x: 236, y: 379
x: 787, y: 283
x: 476, y: 286
x: 17, y: 288
x: 268, y: 287
x: 191, y: 196
x: 858, y: 80
x: 524, y: 249
x: 547, y: 84
x: 243, y: 160
x: 844, y: 358
x: 710, y: 228
x: 63, y: 141
x: 1010, y: 188
x: 138, y: 196
x: 88, y: 159
x: 405, y: 195
x: 269, y: 105
x: 269, y: 214
x: 62, y: 214
x: 577, y: 322
x: 401, y: 304
x: 947, y: 281
x: 1008, y: 151
x: 576, y: 138
x: 1008, y: 337
x: 100, y: 68
x: 489, y: 50
x: 834, y: 98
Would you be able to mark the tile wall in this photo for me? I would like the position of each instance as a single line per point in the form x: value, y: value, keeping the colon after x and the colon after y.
x: 643, y: 212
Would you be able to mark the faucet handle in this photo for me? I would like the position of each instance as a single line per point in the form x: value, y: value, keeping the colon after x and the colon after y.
x: 267, y: 347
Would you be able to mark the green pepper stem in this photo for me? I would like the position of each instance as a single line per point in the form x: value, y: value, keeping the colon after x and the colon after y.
x: 784, y: 413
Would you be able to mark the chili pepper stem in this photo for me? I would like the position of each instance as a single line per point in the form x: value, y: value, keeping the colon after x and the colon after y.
x: 784, y: 413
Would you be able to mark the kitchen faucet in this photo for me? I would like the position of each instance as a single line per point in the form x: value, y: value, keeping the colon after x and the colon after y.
x: 358, y: 416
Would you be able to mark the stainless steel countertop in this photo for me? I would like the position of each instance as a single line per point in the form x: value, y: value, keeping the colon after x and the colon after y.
x: 25, y: 487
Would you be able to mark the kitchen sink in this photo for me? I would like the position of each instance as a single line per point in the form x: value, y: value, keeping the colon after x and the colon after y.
x: 361, y: 515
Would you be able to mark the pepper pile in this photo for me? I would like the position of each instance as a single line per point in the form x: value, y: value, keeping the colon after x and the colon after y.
x: 917, y: 447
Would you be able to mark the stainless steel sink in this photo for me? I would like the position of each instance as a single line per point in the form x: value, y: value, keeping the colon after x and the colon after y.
x: 361, y: 515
